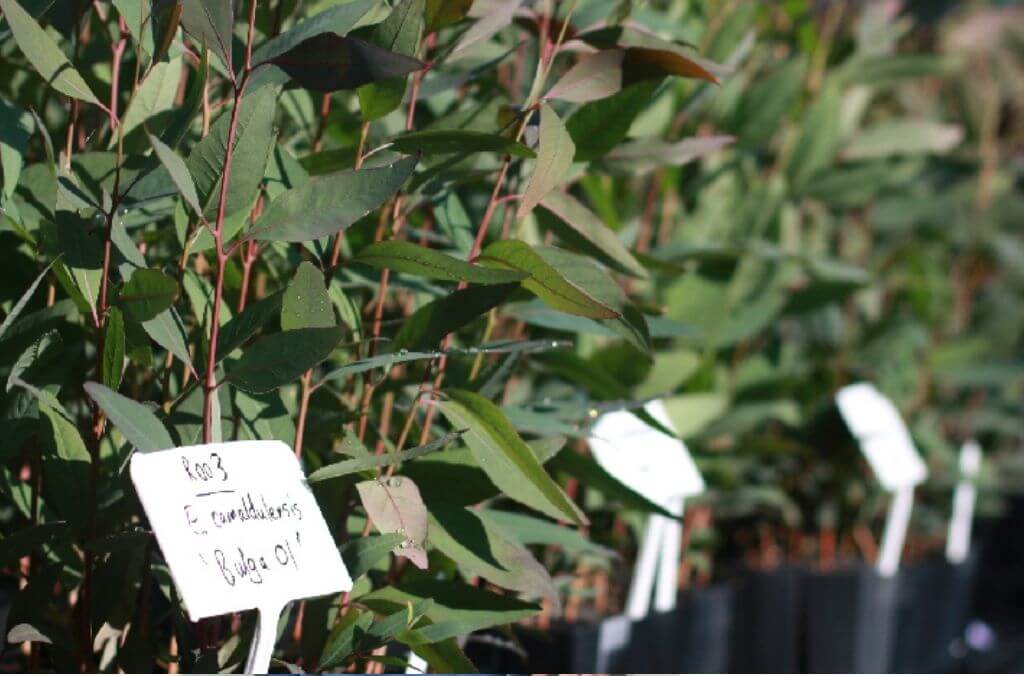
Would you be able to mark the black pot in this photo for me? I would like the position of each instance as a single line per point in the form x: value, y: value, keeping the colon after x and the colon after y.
x: 581, y: 647
x: 934, y: 601
x: 849, y: 621
x: 696, y: 637
x: 766, y: 627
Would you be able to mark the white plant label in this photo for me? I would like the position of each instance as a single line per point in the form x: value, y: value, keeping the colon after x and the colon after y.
x: 660, y: 468
x: 882, y: 435
x: 650, y: 462
x: 238, y: 526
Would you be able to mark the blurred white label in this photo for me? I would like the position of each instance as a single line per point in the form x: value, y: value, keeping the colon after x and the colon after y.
x: 650, y: 462
x: 238, y: 526
x: 883, y: 437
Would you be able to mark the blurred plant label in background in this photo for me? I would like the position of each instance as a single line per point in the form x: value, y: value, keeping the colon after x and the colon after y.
x: 652, y: 463
x: 238, y: 526
x: 660, y: 468
x: 882, y: 436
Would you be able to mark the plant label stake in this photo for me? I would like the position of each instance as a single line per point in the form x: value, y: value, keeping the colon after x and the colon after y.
x: 886, y: 444
x: 239, y: 529
x: 958, y: 540
x: 660, y: 468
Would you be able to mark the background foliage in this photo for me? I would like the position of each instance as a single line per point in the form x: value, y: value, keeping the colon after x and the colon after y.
x: 426, y: 243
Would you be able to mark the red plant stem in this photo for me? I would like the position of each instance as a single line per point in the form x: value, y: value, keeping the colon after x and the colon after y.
x: 210, y: 379
x: 300, y: 424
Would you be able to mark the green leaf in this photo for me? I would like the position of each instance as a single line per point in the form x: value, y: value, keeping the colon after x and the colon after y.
x: 903, y: 137
x: 597, y: 127
x: 253, y: 143
x: 245, y: 324
x: 544, y: 281
x: 280, y: 358
x: 690, y: 413
x: 338, y: 20
x: 457, y: 608
x: 449, y: 141
x: 648, y: 154
x: 329, y: 62
x: 432, y: 322
x: 395, y: 506
x: 136, y: 422
x: 443, y: 13
x: 305, y: 304
x: 168, y: 332
x: 211, y: 23
x: 154, y: 96
x: 330, y: 203
x: 346, y: 467
x: 399, y: 33
x: 477, y: 546
x: 363, y: 554
x: 598, y: 76
x: 66, y: 465
x: 403, y: 256
x: 768, y: 100
x: 530, y: 530
x: 343, y: 637
x: 178, y: 171
x: 25, y: 541
x: 554, y: 158
x: 148, y: 293
x: 45, y: 55
x: 113, y: 348
x: 818, y: 141
x: 586, y: 223
x: 19, y: 306
x: 501, y: 453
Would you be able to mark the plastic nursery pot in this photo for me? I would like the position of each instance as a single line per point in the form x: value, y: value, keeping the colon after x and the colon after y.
x: 766, y: 626
x: 849, y: 621
x: 932, y: 612
x: 578, y: 647
x: 696, y: 637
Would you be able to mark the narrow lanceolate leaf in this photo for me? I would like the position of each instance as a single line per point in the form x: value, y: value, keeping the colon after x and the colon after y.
x: 443, y: 13
x: 210, y: 23
x: 148, y: 293
x: 399, y: 33
x: 22, y: 302
x: 403, y: 256
x: 588, y: 225
x: 113, y: 348
x: 395, y: 506
x: 457, y: 608
x: 329, y: 62
x: 488, y: 24
x: 607, y: 72
x: 253, y: 143
x: 435, y: 320
x: 329, y: 203
x: 280, y: 358
x: 503, y: 455
x: 903, y: 137
x: 651, y: 153
x: 136, y: 422
x: 450, y: 141
x: 44, y: 54
x: 155, y: 95
x: 362, y: 554
x: 554, y: 157
x: 178, y: 171
x: 346, y: 467
x: 598, y: 127
x: 167, y: 331
x: 305, y: 304
x: 477, y: 546
x: 545, y: 281
x: 338, y: 20
x: 244, y: 325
